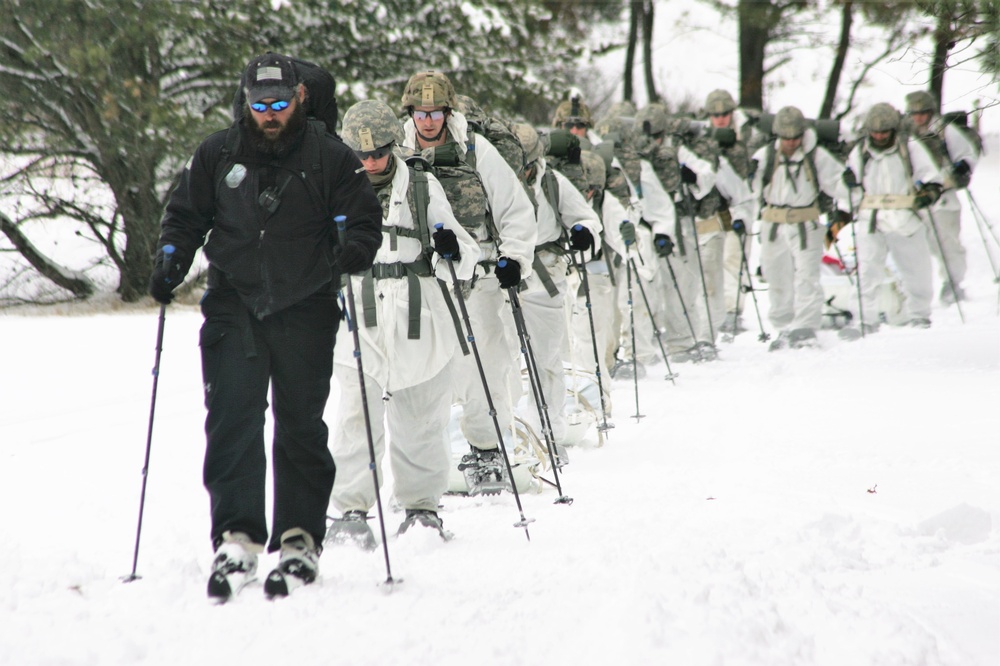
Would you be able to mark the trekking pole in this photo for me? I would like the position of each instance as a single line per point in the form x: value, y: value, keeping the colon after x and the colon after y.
x: 535, y: 381
x: 742, y: 230
x: 168, y: 251
x: 944, y: 262
x: 581, y: 268
x: 852, y: 182
x: 731, y: 337
x: 631, y: 318
x: 982, y: 224
x: 652, y: 319
x: 986, y: 223
x: 689, y: 198
x: 680, y: 297
x: 470, y: 336
x: 352, y: 323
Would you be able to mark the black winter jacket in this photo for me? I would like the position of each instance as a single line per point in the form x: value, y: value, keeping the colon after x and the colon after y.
x: 274, y: 258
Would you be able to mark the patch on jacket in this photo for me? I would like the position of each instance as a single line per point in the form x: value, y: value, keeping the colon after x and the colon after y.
x: 236, y: 176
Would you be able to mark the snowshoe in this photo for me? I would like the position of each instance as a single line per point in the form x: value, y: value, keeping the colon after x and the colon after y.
x: 851, y: 333
x: 427, y: 518
x: 234, y: 566
x: 626, y: 369
x: 298, y: 566
x: 780, y: 342
x: 706, y: 351
x: 803, y: 338
x: 485, y: 472
x: 919, y: 322
x: 733, y: 325
x: 352, y: 528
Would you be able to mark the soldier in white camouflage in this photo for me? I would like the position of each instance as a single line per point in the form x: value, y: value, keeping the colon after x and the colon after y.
x: 406, y: 333
x: 957, y: 157
x: 490, y: 202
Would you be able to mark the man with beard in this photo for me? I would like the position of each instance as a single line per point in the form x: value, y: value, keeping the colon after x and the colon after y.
x: 271, y: 316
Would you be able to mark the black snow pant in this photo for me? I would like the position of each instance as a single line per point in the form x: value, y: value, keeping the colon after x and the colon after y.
x: 292, y: 350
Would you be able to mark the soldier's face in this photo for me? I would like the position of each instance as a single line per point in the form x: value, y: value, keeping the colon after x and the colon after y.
x: 921, y: 118
x: 430, y: 121
x: 577, y: 128
x: 789, y: 146
x: 721, y: 119
x: 881, y: 139
x: 272, y: 123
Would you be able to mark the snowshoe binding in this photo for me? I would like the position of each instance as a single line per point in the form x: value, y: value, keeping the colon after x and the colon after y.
x: 298, y: 565
x: 234, y: 566
x: 627, y: 369
x: 427, y: 518
x: 352, y: 528
x: 485, y: 472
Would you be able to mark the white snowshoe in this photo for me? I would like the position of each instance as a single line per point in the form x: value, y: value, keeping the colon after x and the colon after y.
x: 352, y: 528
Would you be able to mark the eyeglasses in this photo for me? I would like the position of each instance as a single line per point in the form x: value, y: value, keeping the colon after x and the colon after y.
x: 378, y: 153
x: 574, y: 124
x: 720, y: 115
x: 424, y: 115
x: 262, y: 107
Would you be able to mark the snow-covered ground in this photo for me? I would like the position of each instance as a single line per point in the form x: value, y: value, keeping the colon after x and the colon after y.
x: 813, y: 507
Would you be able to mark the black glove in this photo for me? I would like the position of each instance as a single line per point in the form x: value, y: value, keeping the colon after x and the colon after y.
x: 627, y: 230
x: 688, y: 176
x: 169, y: 270
x: 580, y: 238
x: 840, y: 220
x: 962, y: 173
x: 927, y: 195
x: 850, y: 180
x: 446, y: 243
x: 664, y: 245
x: 508, y: 273
x: 349, y: 260
x: 740, y: 227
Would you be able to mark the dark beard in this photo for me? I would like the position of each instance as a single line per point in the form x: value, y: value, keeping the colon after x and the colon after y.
x: 286, y: 139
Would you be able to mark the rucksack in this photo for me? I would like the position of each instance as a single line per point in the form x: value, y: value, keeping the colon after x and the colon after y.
x: 499, y: 133
x: 462, y: 184
x: 960, y: 120
x: 563, y: 155
x: 321, y: 98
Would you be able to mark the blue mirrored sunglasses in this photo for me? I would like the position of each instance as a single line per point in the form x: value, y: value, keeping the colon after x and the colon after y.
x: 433, y: 115
x: 378, y: 153
x: 262, y: 107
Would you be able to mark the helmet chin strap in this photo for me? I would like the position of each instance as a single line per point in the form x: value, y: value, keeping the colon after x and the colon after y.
x: 436, y: 137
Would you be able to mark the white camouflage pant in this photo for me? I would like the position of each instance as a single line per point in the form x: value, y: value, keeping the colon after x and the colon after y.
x: 793, y: 274
x: 420, y: 453
x: 912, y: 259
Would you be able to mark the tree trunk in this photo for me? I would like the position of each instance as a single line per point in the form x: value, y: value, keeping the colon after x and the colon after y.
x: 833, y: 81
x: 647, y: 50
x: 633, y: 39
x: 71, y: 281
x: 944, y: 41
x: 754, y: 35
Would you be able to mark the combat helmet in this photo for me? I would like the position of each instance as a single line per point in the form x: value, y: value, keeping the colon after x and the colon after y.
x: 429, y: 88
x: 572, y: 110
x: 651, y: 120
x: 369, y: 125
x: 920, y: 101
x: 530, y: 141
x: 789, y: 123
x: 882, y: 117
x: 719, y: 102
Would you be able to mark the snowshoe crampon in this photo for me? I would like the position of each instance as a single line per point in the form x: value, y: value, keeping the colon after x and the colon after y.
x: 352, y: 528
x: 485, y: 472
x: 426, y: 518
